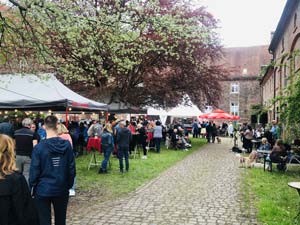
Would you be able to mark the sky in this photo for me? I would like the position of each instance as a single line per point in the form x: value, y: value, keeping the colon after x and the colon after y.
x: 245, y: 22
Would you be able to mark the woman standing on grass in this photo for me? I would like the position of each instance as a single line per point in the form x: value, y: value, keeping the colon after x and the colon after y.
x: 107, y: 144
x: 157, y: 135
x: 63, y: 133
x: 16, y: 205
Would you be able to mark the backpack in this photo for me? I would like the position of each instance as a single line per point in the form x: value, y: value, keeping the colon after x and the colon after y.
x: 236, y: 149
x: 97, y: 129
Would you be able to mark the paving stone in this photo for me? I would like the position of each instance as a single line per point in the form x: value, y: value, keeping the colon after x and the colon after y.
x: 204, y: 188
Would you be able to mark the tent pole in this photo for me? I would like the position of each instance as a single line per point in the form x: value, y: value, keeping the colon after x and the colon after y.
x: 67, y: 122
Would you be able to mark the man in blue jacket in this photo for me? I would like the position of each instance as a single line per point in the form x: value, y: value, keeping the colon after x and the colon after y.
x: 123, y: 140
x: 52, y: 173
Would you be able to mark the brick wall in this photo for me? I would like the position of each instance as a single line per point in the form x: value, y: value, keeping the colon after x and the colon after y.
x: 244, y: 64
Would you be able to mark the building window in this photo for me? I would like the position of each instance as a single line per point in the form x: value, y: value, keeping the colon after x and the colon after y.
x: 282, y: 44
x: 235, y: 88
x: 234, y: 108
x: 295, y: 20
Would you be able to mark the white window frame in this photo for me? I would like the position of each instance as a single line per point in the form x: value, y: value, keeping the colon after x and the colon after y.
x: 234, y: 88
x: 234, y: 108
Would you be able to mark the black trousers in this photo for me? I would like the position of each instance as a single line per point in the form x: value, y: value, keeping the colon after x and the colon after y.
x: 43, y: 206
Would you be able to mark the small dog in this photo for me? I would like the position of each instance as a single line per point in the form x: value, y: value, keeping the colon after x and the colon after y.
x: 218, y: 140
x: 245, y: 162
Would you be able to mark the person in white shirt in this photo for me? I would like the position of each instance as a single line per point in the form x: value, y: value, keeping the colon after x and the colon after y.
x: 230, y: 130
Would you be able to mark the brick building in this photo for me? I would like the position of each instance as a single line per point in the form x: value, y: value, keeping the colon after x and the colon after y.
x: 285, y: 41
x: 241, y: 89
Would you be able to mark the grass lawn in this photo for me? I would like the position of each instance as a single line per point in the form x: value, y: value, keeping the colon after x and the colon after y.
x: 114, y: 184
x: 275, y: 201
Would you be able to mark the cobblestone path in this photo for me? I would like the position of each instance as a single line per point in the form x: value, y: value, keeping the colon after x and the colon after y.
x: 204, y: 188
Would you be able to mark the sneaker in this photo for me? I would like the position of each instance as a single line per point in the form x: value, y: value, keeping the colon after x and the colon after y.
x: 71, y: 192
x: 144, y: 157
x: 101, y: 171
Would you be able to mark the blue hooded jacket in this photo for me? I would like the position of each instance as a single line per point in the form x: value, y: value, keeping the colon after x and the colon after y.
x: 52, y: 168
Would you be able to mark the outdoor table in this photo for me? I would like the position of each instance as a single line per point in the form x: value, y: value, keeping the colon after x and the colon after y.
x: 94, y: 144
x: 295, y: 185
x: 265, y: 154
x: 256, y: 143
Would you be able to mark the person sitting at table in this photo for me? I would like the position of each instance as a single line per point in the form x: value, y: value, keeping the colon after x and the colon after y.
x: 265, y: 146
x: 174, y: 138
x: 279, y: 155
x: 107, y: 144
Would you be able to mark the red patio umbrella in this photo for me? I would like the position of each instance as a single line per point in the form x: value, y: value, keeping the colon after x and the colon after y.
x: 219, y: 114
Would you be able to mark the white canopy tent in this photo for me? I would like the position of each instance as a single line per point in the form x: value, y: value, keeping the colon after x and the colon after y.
x: 163, y: 114
x: 182, y: 111
x: 185, y: 111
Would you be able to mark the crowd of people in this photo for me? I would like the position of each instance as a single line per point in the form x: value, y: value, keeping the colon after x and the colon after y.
x: 37, y: 159
x: 264, y: 139
x: 36, y: 173
x: 210, y: 130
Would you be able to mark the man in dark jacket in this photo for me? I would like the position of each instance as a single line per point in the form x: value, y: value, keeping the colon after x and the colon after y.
x: 25, y: 140
x: 123, y: 140
x: 52, y: 173
x: 7, y: 128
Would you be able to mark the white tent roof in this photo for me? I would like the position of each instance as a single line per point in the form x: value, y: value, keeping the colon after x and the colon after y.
x: 42, y: 91
x: 185, y: 111
x: 156, y: 112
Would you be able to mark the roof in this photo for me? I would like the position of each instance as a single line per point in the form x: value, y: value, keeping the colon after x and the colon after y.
x: 282, y: 24
x: 39, y: 92
x: 245, y: 61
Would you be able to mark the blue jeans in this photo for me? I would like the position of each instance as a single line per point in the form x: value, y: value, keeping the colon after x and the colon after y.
x: 23, y: 164
x: 43, y: 206
x: 106, y: 152
x: 123, y: 152
x: 157, y: 144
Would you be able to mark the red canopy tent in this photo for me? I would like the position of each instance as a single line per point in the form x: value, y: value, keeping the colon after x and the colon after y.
x: 219, y: 114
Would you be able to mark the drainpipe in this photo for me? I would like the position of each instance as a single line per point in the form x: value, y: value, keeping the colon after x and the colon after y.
x: 274, y: 83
